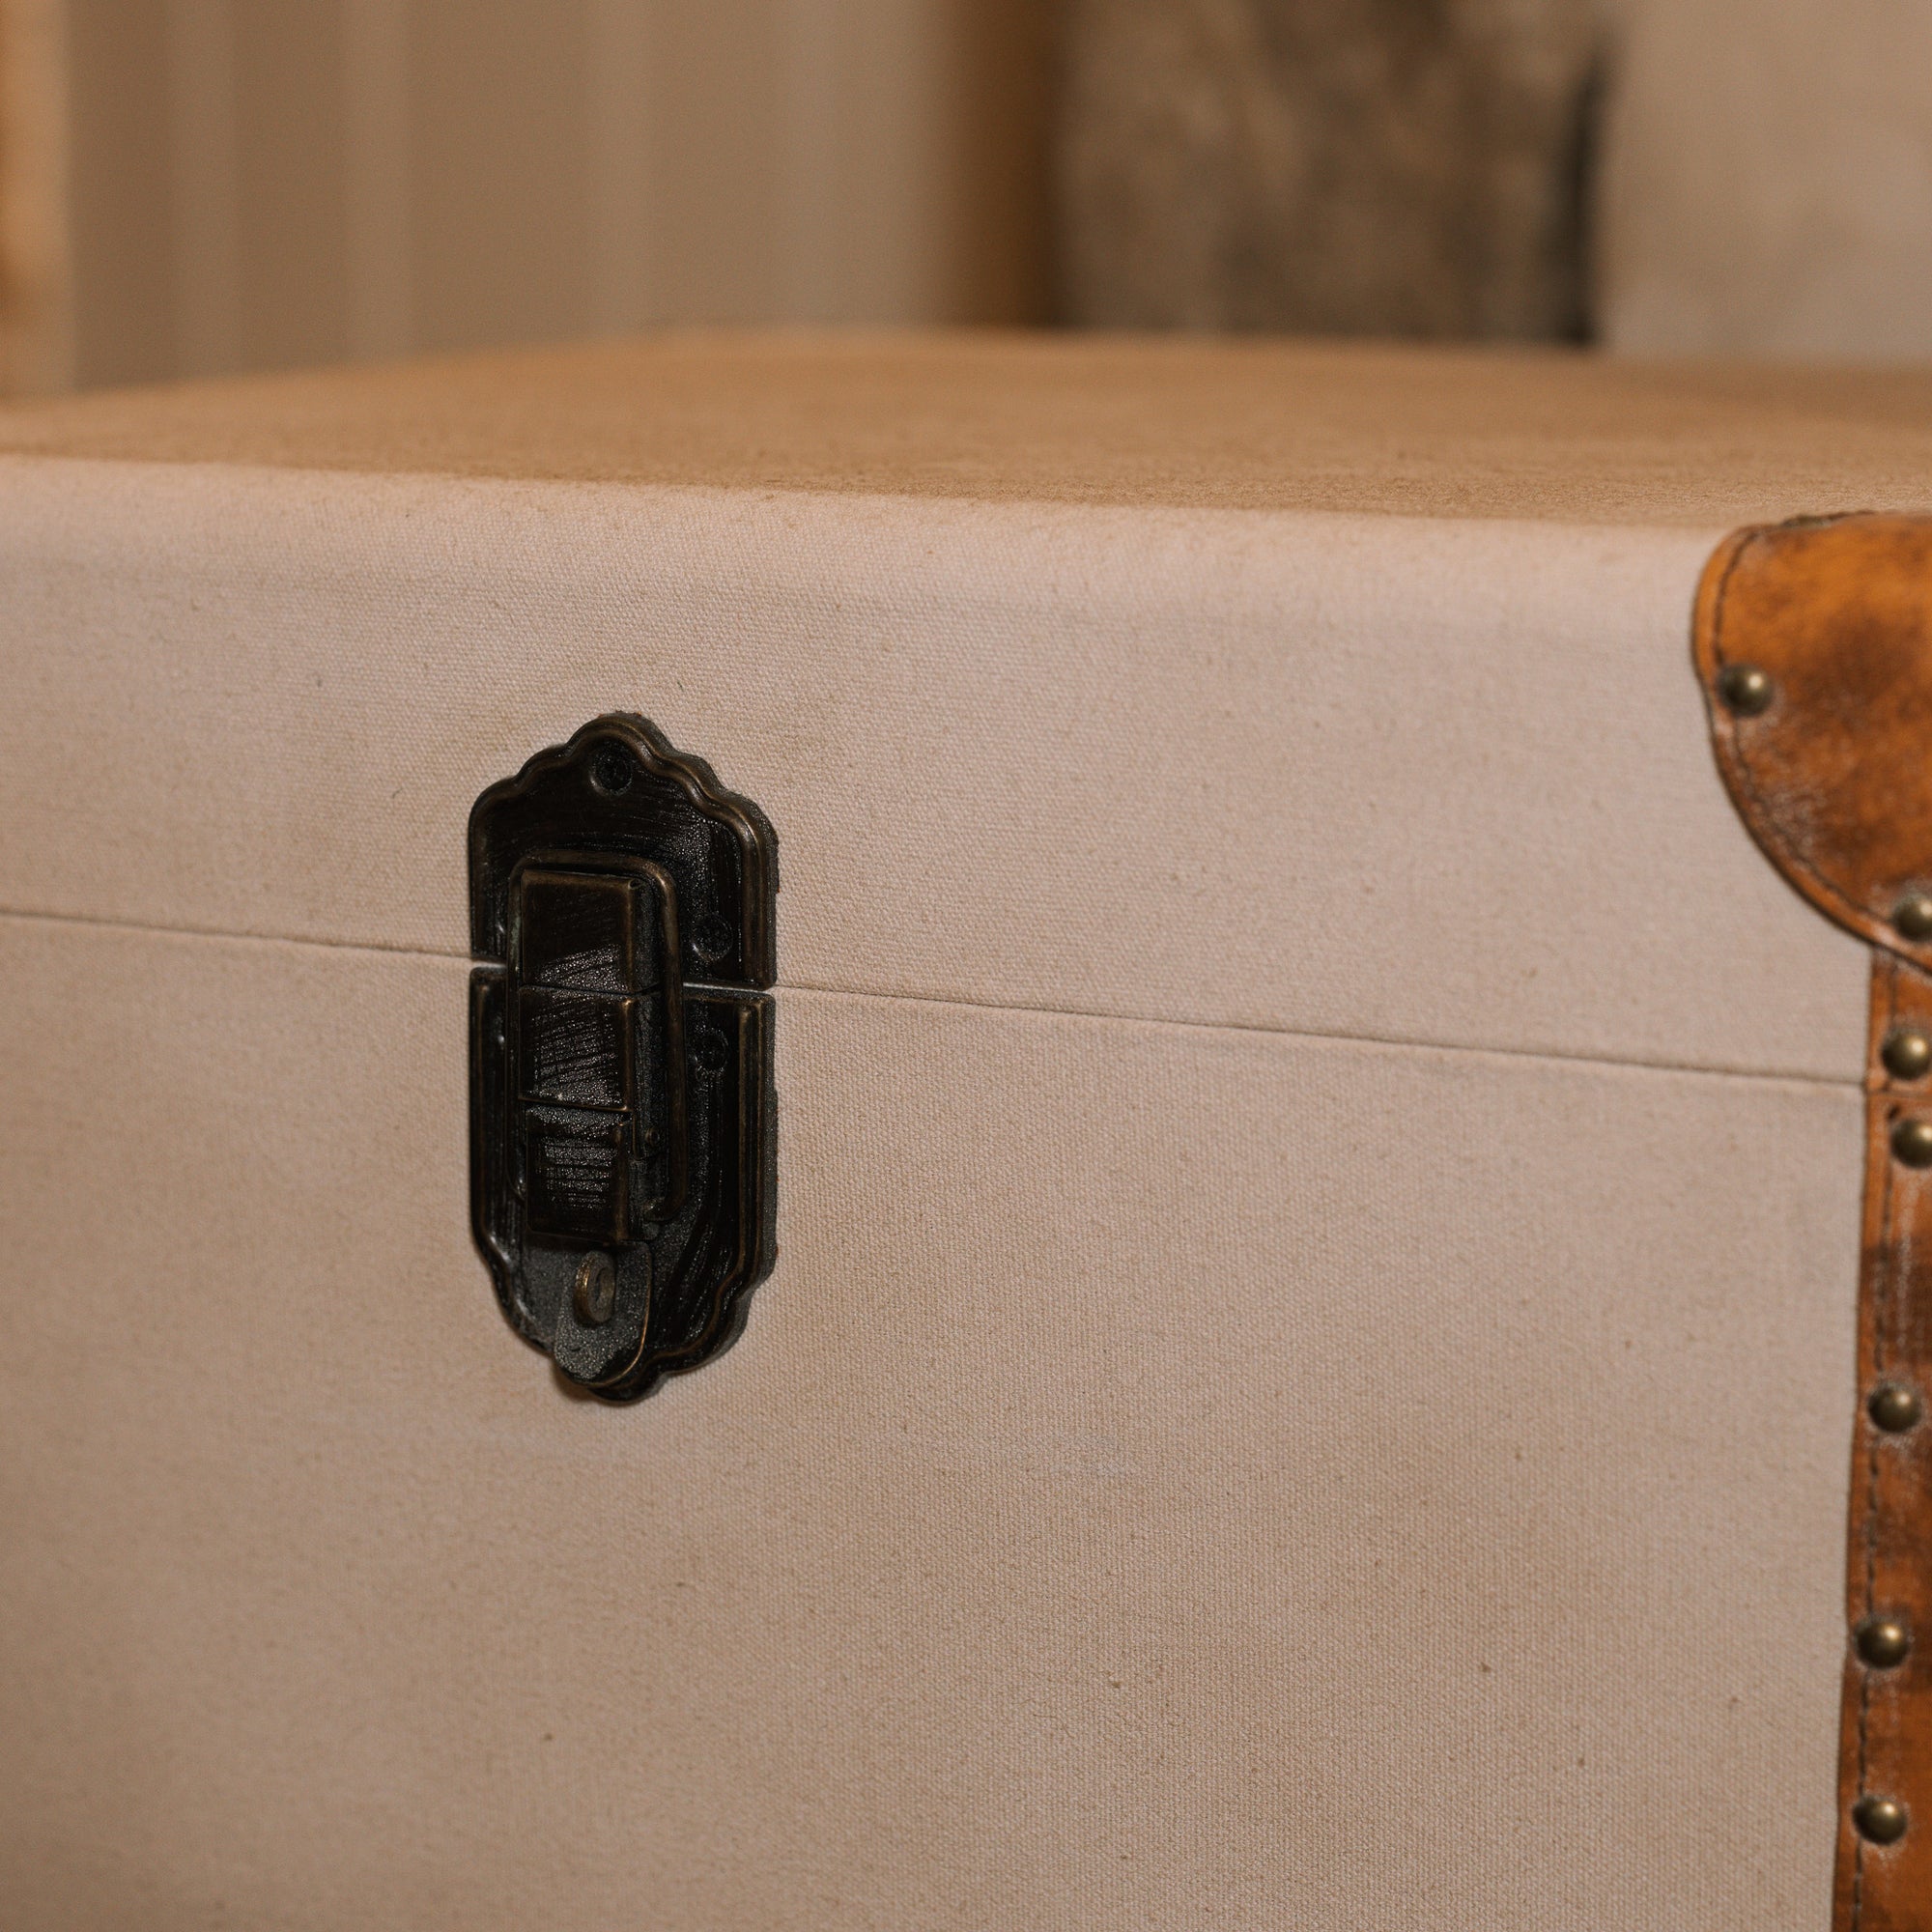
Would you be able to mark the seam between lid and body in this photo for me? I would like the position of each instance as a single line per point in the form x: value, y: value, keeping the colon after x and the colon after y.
x: 810, y: 990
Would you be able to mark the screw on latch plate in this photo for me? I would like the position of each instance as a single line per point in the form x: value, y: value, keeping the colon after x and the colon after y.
x: 622, y: 1113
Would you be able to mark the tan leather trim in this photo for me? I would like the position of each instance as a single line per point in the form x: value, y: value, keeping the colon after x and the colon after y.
x: 1834, y: 779
x: 1831, y: 767
x: 1885, y: 1739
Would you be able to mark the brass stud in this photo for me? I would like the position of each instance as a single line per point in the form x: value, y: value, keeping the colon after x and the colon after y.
x: 1911, y: 1142
x: 1907, y: 1054
x: 594, y: 1294
x: 1894, y: 1408
x: 1912, y: 916
x: 1884, y: 1643
x: 1745, y: 689
x: 1882, y: 1820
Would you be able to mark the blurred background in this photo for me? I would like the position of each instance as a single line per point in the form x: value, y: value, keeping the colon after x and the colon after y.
x: 197, y: 187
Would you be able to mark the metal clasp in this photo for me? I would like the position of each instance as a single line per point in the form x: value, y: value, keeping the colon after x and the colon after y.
x: 622, y: 1114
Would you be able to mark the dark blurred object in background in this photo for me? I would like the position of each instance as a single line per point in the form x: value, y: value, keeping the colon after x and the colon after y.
x: 1388, y: 167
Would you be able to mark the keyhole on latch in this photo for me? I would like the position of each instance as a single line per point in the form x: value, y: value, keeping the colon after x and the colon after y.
x: 594, y: 1296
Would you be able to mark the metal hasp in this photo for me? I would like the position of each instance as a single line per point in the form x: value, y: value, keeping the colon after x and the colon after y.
x: 622, y: 1118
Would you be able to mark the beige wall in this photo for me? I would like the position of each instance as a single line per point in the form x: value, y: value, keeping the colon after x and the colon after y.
x: 261, y: 183
x: 1769, y: 179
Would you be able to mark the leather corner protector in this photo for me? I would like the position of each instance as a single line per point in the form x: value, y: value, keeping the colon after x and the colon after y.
x: 1824, y: 752
x: 1813, y: 644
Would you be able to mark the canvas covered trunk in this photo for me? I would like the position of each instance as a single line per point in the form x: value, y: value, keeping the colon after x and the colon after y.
x: 1310, y: 1368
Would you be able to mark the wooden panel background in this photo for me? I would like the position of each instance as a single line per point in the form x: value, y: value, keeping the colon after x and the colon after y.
x: 35, y: 321
x: 268, y: 182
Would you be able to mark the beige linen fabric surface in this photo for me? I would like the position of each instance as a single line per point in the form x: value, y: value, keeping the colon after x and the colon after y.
x: 1308, y: 1373
x: 1177, y: 421
x: 1402, y: 778
x: 1176, y: 1475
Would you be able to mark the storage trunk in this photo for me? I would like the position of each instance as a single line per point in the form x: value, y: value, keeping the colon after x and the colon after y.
x: 1310, y: 1368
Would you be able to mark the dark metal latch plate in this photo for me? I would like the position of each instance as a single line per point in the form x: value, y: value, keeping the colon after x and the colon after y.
x: 622, y: 1112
